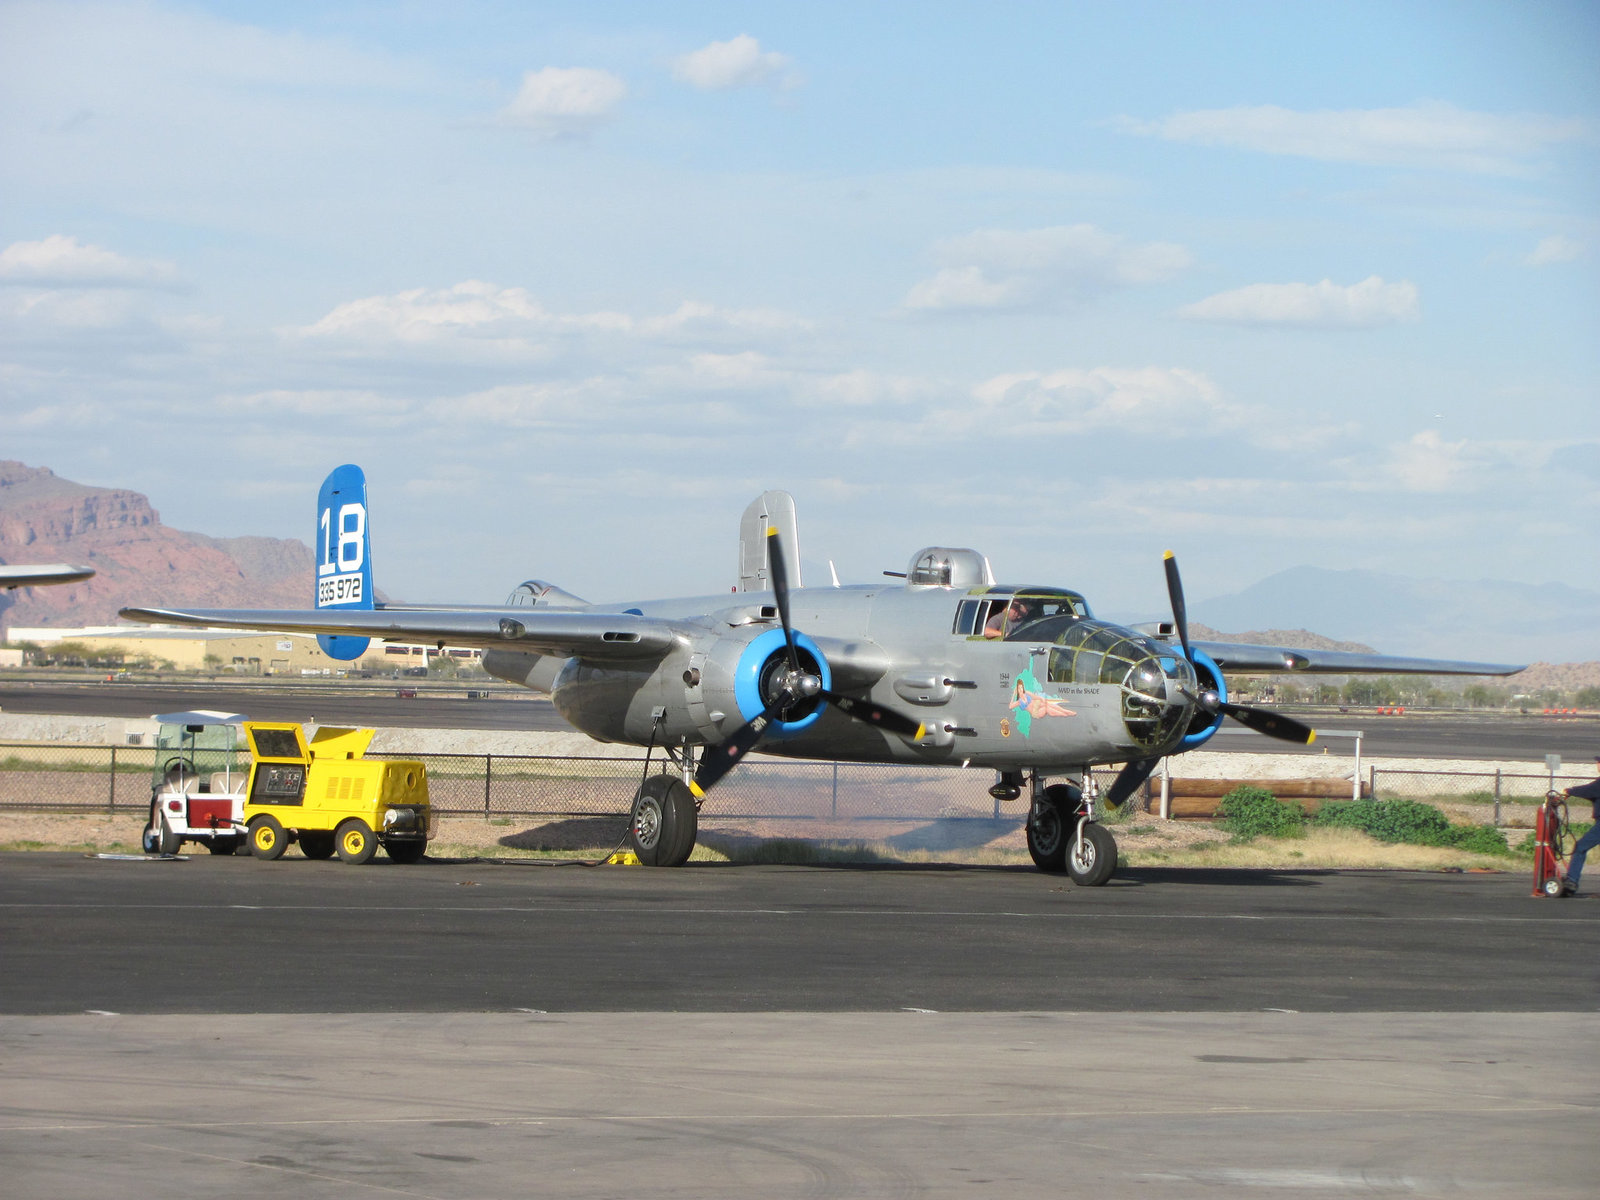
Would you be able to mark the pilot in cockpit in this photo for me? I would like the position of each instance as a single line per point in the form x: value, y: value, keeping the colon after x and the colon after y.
x: 1004, y: 620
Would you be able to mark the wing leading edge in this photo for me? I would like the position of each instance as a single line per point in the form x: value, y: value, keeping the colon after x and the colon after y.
x: 1273, y: 660
x: 586, y: 635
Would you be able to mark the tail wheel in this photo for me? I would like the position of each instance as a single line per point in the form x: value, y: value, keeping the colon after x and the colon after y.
x: 1091, y: 861
x: 355, y: 842
x: 1051, y: 825
x: 267, y: 838
x: 663, y: 824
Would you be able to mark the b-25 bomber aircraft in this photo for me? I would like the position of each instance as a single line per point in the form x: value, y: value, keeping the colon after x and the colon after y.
x: 942, y: 666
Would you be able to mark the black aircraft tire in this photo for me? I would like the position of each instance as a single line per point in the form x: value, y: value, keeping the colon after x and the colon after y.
x: 268, y: 840
x: 1099, y: 858
x: 662, y: 825
x: 1051, y: 829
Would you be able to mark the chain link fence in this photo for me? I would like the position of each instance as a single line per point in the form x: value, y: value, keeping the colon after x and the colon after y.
x: 1490, y: 796
x: 117, y: 779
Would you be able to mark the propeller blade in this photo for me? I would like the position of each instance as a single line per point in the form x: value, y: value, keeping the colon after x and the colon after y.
x: 1129, y: 780
x: 1274, y: 725
x: 718, y: 760
x: 876, y: 714
x: 780, y: 591
x: 1180, y: 613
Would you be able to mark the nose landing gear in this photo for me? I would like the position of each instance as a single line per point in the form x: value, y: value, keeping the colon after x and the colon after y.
x: 1064, y: 836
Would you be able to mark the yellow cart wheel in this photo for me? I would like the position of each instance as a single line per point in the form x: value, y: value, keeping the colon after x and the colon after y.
x: 355, y: 842
x: 267, y: 838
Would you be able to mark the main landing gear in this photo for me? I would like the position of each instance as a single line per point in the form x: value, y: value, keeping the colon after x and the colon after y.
x: 1064, y: 836
x: 666, y: 816
x: 664, y: 822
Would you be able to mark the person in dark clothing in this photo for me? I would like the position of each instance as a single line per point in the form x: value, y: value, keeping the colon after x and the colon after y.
x: 1591, y: 793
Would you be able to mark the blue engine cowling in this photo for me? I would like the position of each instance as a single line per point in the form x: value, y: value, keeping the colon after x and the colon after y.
x: 763, y: 658
x: 1209, y: 676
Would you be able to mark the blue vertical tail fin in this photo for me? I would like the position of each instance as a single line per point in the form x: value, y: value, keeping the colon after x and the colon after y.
x: 344, y: 555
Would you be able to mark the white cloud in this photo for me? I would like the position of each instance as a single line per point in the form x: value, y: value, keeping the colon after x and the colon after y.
x: 697, y: 319
x: 1555, y: 249
x: 62, y: 261
x: 738, y: 62
x: 1167, y: 400
x: 564, y: 102
x: 471, y: 320
x: 1430, y: 135
x: 1011, y: 269
x: 1324, y: 305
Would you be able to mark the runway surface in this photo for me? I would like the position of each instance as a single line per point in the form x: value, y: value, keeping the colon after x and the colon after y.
x: 1464, y: 736
x: 324, y: 937
x: 231, y: 1027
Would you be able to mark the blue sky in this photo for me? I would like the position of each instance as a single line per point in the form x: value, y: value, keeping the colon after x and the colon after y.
x: 1267, y: 284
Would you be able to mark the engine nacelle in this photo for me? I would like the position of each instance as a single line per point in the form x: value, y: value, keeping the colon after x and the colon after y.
x: 1209, y: 676
x: 702, y: 690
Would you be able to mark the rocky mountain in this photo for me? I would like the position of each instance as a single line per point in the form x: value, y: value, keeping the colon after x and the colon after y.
x: 1484, y: 620
x: 1295, y: 639
x: 137, y: 559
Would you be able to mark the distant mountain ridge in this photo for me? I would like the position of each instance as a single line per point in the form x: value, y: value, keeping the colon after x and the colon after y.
x: 137, y: 559
x: 1482, y: 620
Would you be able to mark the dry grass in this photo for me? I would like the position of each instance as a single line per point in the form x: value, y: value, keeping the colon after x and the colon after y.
x: 1141, y: 842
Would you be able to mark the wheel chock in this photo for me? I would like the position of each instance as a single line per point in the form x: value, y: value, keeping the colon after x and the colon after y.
x: 623, y: 858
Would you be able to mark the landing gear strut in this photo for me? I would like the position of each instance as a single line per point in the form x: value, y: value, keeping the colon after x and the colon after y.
x: 1063, y: 835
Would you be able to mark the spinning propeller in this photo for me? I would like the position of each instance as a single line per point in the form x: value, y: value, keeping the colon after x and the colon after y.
x: 795, y: 686
x: 1208, y: 700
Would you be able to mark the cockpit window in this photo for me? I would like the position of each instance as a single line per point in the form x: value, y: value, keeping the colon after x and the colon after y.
x: 1006, y: 613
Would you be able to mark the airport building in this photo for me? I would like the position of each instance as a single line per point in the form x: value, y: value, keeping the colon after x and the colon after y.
x: 229, y: 650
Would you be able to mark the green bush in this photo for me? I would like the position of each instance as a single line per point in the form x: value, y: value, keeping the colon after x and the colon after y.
x: 1410, y: 822
x: 1479, y: 839
x: 1252, y: 812
x: 1389, y: 820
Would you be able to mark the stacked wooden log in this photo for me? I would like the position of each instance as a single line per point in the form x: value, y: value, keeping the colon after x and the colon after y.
x: 1198, y: 798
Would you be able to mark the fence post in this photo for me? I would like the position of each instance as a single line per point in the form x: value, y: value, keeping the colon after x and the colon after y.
x: 488, y: 772
x: 1166, y: 788
x: 111, y: 798
x: 1497, y: 795
x: 1372, y: 782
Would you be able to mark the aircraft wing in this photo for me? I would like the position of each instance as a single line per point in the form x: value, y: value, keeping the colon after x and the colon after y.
x: 37, y: 576
x: 1273, y: 660
x: 589, y: 635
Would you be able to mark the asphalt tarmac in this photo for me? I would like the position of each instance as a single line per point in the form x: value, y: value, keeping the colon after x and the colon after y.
x: 1484, y: 737
x: 325, y: 937
x: 230, y: 1027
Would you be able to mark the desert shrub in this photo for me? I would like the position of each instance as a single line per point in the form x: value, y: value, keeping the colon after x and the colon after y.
x: 1252, y: 812
x: 1478, y: 839
x: 1410, y: 822
x: 1389, y: 820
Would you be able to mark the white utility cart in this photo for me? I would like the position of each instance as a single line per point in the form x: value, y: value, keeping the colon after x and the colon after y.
x: 198, y: 785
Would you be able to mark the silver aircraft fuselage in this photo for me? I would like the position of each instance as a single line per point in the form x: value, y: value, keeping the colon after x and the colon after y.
x: 1063, y: 692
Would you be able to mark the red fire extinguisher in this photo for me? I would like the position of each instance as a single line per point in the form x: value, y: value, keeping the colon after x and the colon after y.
x: 1550, y: 849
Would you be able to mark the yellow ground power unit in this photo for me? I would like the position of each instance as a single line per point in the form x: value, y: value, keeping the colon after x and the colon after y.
x: 330, y: 798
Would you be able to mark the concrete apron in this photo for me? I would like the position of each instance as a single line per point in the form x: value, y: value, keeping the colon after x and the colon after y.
x: 784, y: 1104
